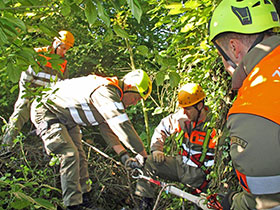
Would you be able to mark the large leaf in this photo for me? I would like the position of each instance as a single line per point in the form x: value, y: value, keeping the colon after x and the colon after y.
x: 103, y: 14
x: 44, y: 203
x: 65, y: 9
x: 160, y: 78
x: 3, y: 37
x: 90, y: 12
x: 175, y: 8
x: 37, y: 201
x: 20, y: 204
x: 120, y: 32
x: 143, y: 50
x: 13, y: 72
x: 135, y: 9
x: 174, y: 79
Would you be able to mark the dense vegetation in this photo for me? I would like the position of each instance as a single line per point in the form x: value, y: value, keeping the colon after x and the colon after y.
x: 166, y: 38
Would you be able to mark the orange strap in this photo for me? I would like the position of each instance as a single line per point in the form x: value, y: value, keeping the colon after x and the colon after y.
x: 242, y: 180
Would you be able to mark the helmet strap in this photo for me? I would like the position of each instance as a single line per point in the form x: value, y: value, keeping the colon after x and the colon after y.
x: 257, y: 41
x: 225, y: 56
x: 199, y: 111
x: 55, y: 49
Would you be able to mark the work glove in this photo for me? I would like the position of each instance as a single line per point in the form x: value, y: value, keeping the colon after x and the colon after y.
x: 158, y: 156
x: 227, y: 200
x: 130, y: 162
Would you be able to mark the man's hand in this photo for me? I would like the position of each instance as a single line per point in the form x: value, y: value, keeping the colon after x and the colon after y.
x: 158, y: 156
x: 130, y: 162
x: 227, y: 200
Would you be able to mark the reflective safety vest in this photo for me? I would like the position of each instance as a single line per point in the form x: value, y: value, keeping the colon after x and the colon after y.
x: 198, y: 139
x: 49, y: 65
x: 115, y: 82
x: 259, y: 94
x: 72, y: 98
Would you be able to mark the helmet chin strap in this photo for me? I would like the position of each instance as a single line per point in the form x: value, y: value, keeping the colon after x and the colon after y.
x: 199, y: 112
x: 55, y: 49
x: 228, y: 59
x: 257, y: 41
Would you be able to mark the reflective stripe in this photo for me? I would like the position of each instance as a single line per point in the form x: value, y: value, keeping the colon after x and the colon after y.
x: 75, y: 115
x: 112, y: 106
x: 189, y: 162
x: 44, y: 75
x: 89, y: 114
x: 193, y: 152
x: 264, y: 184
x: 118, y: 119
x: 119, y: 105
x: 40, y: 82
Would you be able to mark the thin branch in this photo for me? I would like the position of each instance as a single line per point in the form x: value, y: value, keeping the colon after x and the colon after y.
x: 25, y: 7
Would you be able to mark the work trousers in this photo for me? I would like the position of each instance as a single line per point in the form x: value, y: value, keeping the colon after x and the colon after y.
x: 172, y: 169
x: 66, y: 143
x: 19, y: 117
x: 255, y: 152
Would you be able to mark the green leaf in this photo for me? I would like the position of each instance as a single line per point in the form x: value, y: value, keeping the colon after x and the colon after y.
x: 3, y: 37
x: 20, y: 204
x: 143, y: 50
x: 2, y: 5
x: 160, y: 78
x: 174, y: 79
x: 135, y: 9
x: 108, y: 35
x: 65, y: 9
x: 44, y: 203
x: 175, y: 8
x: 13, y: 72
x: 102, y: 14
x: 19, y: 23
x: 192, y: 4
x: 78, y: 1
x: 158, y: 110
x: 90, y: 12
x: 120, y: 32
x: 169, y: 62
x: 3, y: 194
x: 45, y: 29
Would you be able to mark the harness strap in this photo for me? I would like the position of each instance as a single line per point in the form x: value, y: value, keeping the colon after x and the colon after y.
x: 200, y: 188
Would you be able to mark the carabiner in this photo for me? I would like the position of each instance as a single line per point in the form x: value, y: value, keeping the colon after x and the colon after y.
x: 137, y: 173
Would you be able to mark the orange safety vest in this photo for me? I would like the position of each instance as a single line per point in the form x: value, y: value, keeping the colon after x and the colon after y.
x: 45, y: 49
x: 115, y: 82
x: 259, y: 94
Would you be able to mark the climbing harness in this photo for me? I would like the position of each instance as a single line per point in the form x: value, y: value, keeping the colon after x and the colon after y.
x: 202, y: 201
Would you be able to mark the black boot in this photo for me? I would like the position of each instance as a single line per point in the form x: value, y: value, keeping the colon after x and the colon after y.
x: 88, y: 202
x: 146, y: 203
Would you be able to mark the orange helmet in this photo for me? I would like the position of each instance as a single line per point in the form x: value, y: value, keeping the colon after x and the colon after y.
x: 66, y: 37
x: 190, y: 94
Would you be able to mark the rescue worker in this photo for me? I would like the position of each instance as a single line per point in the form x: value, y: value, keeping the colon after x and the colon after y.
x: 192, y: 164
x: 88, y: 101
x: 242, y: 31
x: 47, y: 74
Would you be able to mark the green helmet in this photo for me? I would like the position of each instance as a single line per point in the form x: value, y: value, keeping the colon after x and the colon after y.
x: 141, y: 81
x: 243, y: 16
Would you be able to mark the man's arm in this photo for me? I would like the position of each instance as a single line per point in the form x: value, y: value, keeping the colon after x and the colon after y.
x: 107, y: 102
x: 166, y: 127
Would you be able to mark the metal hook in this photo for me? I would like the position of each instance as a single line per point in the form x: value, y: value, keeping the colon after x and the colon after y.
x: 137, y: 171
